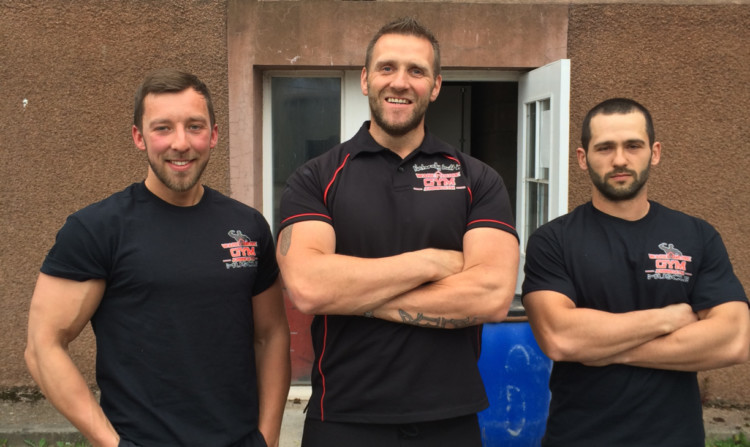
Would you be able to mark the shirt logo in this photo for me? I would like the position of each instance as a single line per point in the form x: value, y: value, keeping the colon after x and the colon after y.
x: 242, y: 251
x: 672, y: 265
x: 438, y: 179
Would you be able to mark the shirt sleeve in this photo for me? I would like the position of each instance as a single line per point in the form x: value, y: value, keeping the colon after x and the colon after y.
x: 490, y: 203
x: 303, y: 197
x: 715, y: 281
x: 545, y: 267
x: 76, y: 254
x: 268, y: 268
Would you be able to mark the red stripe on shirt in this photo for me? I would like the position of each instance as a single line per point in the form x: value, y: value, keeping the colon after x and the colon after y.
x: 493, y: 221
x: 306, y: 214
x: 452, y: 158
x: 325, y: 194
x: 320, y: 367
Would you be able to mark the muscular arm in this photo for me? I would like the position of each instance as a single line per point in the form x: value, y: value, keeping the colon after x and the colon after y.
x: 480, y: 293
x: 272, y: 360
x: 720, y: 338
x: 60, y: 309
x: 319, y: 281
x: 568, y: 333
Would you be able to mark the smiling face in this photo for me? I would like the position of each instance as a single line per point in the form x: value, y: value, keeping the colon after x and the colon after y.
x: 400, y: 83
x: 177, y: 137
x: 619, y: 157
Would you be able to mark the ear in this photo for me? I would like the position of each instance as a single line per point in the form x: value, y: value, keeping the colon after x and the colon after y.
x: 363, y: 81
x: 138, y: 138
x: 655, y: 153
x: 436, y: 88
x: 214, y: 136
x: 581, y: 155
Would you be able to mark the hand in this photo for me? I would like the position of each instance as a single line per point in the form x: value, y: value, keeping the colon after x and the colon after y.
x: 680, y: 315
x: 446, y: 262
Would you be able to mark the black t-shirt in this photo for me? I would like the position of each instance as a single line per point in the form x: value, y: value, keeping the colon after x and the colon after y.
x: 370, y: 370
x: 605, y: 263
x: 174, y: 330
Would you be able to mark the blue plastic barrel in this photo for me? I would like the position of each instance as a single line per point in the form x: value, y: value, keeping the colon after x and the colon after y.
x: 516, y: 376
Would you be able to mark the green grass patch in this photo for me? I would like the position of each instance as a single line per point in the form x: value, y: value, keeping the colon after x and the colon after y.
x: 738, y: 440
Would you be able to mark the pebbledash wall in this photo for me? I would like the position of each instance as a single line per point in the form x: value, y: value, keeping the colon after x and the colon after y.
x: 68, y: 71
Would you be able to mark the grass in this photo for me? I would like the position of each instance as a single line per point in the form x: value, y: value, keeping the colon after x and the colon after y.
x: 738, y: 440
x: 43, y: 443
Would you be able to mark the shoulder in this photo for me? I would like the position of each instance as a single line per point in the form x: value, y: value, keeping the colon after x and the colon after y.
x: 567, y: 222
x: 680, y: 220
x: 116, y: 205
x: 225, y: 205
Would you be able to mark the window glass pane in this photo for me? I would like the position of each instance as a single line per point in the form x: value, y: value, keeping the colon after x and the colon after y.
x: 306, y: 121
x: 531, y: 140
x: 537, y: 196
x: 545, y: 139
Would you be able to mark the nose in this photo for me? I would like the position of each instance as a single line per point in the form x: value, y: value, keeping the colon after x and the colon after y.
x: 180, y: 141
x: 400, y: 80
x: 620, y: 159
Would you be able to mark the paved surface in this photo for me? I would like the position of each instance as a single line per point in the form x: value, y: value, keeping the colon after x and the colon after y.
x: 21, y: 421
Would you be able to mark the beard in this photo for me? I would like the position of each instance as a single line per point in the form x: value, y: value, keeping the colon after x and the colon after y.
x: 397, y: 129
x: 618, y: 194
x: 177, y: 182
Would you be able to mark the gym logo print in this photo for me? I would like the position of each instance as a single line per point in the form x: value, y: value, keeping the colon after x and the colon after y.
x: 672, y: 265
x: 441, y: 178
x: 242, y: 251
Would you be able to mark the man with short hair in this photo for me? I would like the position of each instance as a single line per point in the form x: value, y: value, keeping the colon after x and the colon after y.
x: 630, y: 299
x: 402, y: 247
x: 181, y: 286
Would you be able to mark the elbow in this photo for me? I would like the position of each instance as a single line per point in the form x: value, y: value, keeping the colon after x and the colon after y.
x: 556, y: 348
x: 498, y: 298
x: 30, y: 357
x: 739, y: 352
x: 305, y: 296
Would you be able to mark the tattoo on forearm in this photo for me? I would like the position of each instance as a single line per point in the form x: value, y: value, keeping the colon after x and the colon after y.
x: 369, y: 314
x: 285, y: 240
x: 436, y: 322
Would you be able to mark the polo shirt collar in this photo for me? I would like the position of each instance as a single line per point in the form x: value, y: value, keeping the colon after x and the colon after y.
x: 430, y: 145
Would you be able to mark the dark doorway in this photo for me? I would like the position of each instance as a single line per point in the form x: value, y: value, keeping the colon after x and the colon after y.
x: 481, y: 119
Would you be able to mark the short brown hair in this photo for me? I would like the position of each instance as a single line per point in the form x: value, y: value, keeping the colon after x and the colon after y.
x: 613, y: 106
x: 407, y: 26
x: 168, y: 80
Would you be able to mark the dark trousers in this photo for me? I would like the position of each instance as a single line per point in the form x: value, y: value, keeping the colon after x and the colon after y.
x: 458, y: 432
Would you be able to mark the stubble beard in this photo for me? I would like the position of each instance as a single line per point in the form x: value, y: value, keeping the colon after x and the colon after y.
x: 616, y: 194
x: 397, y: 129
x: 177, y: 182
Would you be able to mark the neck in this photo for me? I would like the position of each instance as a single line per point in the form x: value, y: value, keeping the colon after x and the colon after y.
x: 190, y: 197
x: 401, y: 145
x: 632, y: 209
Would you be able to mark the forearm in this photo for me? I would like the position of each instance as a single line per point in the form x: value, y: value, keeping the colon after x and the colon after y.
x: 706, y: 344
x: 471, y: 297
x: 65, y: 388
x: 346, y: 285
x: 273, y: 370
x: 568, y: 333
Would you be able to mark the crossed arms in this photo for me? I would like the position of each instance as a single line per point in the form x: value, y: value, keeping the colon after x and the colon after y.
x: 672, y: 337
x: 428, y: 287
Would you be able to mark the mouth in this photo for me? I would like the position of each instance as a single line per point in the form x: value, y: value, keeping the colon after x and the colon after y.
x: 620, y: 176
x: 179, y: 163
x: 391, y: 100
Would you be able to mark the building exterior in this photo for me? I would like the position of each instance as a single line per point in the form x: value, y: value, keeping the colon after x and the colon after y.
x: 285, y: 80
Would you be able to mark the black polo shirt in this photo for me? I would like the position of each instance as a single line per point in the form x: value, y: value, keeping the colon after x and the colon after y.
x: 370, y: 370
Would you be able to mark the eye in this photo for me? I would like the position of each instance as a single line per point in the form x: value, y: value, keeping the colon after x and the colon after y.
x: 417, y: 72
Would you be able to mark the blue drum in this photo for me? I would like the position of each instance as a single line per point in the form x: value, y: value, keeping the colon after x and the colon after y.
x: 516, y: 376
